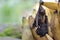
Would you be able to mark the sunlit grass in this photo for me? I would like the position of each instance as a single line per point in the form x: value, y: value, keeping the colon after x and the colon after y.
x: 11, y: 32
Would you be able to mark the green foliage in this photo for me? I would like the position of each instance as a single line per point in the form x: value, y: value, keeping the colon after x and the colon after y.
x: 11, y: 10
x: 11, y: 32
x: 2, y: 34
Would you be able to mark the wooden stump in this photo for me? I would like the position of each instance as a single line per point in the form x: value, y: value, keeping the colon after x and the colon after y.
x: 26, y: 34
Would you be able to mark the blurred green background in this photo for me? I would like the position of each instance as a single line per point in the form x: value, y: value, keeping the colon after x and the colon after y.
x: 10, y: 16
x: 10, y: 10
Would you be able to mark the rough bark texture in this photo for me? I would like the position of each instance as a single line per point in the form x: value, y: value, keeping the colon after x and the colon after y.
x: 26, y: 33
x: 55, y: 22
x: 54, y: 29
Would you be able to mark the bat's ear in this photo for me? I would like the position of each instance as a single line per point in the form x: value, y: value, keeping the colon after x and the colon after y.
x: 41, y: 2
